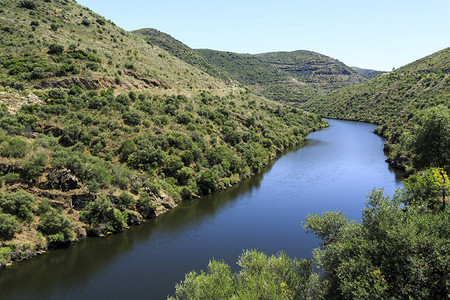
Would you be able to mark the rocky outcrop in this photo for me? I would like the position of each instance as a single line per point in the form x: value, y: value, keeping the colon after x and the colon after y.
x: 62, y: 180
x: 134, y: 218
x: 80, y: 200
x: 85, y: 83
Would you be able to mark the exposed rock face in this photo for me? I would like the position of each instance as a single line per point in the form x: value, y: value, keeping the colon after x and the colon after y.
x: 15, y: 101
x: 63, y: 180
x: 85, y: 83
x: 134, y: 218
x: 79, y: 201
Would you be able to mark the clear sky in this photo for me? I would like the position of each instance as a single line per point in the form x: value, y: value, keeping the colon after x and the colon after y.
x: 373, y: 34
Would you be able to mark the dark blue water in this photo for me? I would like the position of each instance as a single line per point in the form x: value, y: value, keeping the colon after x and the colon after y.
x: 334, y: 171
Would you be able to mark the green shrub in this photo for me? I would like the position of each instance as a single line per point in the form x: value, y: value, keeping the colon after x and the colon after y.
x: 18, y: 203
x: 126, y: 199
x: 119, y: 221
x: 28, y: 4
x: 132, y: 118
x: 11, y: 178
x: 33, y: 167
x: 75, y: 90
x: 14, y: 147
x: 57, y: 227
x: 208, y: 181
x: 123, y: 99
x: 98, y: 211
x: 8, y: 226
x: 144, y: 205
x: 56, y: 49
x: 4, y: 255
x: 260, y: 277
x: 86, y: 22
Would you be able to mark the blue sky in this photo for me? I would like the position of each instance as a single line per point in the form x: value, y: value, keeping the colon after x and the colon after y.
x: 374, y: 34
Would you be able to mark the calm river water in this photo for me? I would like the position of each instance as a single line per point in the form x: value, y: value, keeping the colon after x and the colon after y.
x: 334, y: 171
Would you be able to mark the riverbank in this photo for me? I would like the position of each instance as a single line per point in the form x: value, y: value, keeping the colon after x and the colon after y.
x: 71, y: 197
x: 333, y: 171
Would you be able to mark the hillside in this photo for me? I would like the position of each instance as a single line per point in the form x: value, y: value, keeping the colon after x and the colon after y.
x: 367, y: 73
x: 100, y: 130
x: 60, y: 43
x: 394, y: 100
x: 283, y: 76
x: 180, y: 50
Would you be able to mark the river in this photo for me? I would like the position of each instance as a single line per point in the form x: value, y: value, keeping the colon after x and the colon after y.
x: 334, y: 171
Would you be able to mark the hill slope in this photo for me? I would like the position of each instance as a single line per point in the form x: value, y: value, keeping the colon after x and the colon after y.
x: 180, y: 50
x: 367, y: 73
x: 60, y: 43
x: 392, y: 100
x: 283, y: 76
x: 99, y: 129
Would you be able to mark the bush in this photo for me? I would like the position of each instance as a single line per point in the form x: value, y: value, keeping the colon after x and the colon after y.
x: 8, y: 225
x: 56, y: 49
x: 123, y: 99
x: 11, y: 178
x: 28, y: 4
x: 98, y: 211
x: 126, y: 199
x: 260, y: 277
x: 18, y: 203
x: 208, y: 181
x: 33, y: 167
x: 75, y: 90
x: 86, y: 22
x: 119, y: 221
x: 144, y: 205
x: 132, y: 118
x: 57, y: 227
x: 15, y: 147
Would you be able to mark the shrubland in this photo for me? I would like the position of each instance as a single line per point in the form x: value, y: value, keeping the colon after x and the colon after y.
x: 400, y: 102
x: 98, y: 161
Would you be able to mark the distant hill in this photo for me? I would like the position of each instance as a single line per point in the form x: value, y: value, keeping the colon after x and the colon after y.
x: 180, y: 50
x: 394, y: 99
x: 283, y: 76
x: 367, y: 73
x: 60, y: 43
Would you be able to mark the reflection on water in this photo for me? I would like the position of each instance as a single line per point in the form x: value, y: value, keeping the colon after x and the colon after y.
x: 335, y: 170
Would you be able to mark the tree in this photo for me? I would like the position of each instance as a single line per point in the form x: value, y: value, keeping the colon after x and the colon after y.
x: 8, y: 226
x: 431, y: 140
x: 18, y: 203
x: 57, y: 227
x: 260, y: 277
x: 33, y: 167
x: 390, y: 254
x: 429, y: 187
x: 14, y: 147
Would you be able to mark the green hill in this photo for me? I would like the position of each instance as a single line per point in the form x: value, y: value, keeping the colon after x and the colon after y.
x: 394, y: 100
x: 60, y: 43
x: 367, y: 73
x: 100, y: 130
x: 283, y: 76
x: 180, y: 50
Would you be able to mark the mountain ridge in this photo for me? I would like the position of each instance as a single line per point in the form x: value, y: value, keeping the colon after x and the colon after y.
x: 289, y: 76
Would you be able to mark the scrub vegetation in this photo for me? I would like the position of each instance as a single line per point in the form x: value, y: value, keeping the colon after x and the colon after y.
x: 282, y: 76
x: 100, y: 130
x: 401, y: 102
